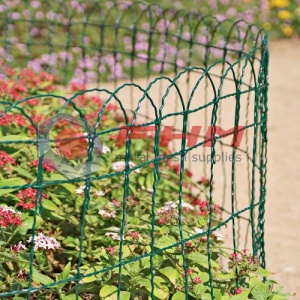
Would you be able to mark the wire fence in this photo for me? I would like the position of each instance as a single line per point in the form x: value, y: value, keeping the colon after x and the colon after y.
x: 161, y: 89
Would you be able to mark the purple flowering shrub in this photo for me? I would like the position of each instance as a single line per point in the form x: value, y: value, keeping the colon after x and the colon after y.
x: 124, y: 228
x: 121, y: 41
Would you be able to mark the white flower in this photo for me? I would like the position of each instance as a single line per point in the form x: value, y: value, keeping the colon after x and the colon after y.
x: 173, y: 205
x: 105, y: 150
x: 114, y: 235
x: 120, y: 166
x: 106, y: 213
x: 80, y: 190
x: 198, y: 230
x: 186, y: 205
x: 167, y: 206
x: 42, y: 241
x: 9, y: 209
x: 99, y: 193
x: 219, y: 235
x: 148, y: 190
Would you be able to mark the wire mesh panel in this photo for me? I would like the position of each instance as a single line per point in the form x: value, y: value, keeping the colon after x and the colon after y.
x: 133, y: 143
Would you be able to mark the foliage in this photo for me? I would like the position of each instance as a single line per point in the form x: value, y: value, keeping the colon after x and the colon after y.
x: 92, y: 237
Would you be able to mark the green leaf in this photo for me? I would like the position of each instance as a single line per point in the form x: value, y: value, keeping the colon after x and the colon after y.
x: 204, y: 276
x: 10, y: 257
x: 260, y: 292
x: 14, y: 137
x: 124, y: 295
x: 107, y: 291
x: 92, y: 277
x: 242, y: 296
x: 64, y: 274
x: 70, y: 297
x: 68, y: 186
x: 171, y: 273
x: 217, y: 294
x: 202, y: 221
x: 164, y: 230
x: 48, y: 204
x: 44, y: 84
x: 149, y: 180
x: 225, y: 276
x: 253, y: 282
x: 132, y: 188
x: 22, y: 172
x: 110, y: 292
x: 178, y: 296
x: 28, y: 222
x: 279, y: 297
x: 165, y: 241
x: 263, y: 272
x: 200, y: 289
x: 160, y: 292
x: 92, y: 219
x: 41, y: 278
x: 141, y: 180
x: 202, y: 260
x: 10, y: 182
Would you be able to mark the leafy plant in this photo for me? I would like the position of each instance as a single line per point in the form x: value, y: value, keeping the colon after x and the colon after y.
x: 120, y: 232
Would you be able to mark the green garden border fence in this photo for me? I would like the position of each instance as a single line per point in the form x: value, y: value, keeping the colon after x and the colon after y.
x: 197, y: 72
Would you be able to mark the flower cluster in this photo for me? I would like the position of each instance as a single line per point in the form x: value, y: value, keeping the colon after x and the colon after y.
x: 106, y: 213
x: 133, y: 234
x: 203, y: 207
x: 10, y: 119
x: 168, y: 214
x: 28, y: 197
x: 28, y: 81
x: 115, y: 235
x: 48, y: 165
x: 5, y: 160
x: 18, y: 247
x: 243, y: 263
x: 80, y: 190
x: 44, y: 242
x: 9, y: 217
x: 283, y: 17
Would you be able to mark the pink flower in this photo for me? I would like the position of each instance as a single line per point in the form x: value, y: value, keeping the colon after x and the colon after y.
x: 28, y: 197
x: 197, y: 280
x: 18, y: 247
x: 45, y: 242
x: 6, y: 159
x: 189, y: 272
x: 237, y: 291
x: 110, y: 249
x: 48, y: 165
x: 134, y: 234
x: 9, y: 217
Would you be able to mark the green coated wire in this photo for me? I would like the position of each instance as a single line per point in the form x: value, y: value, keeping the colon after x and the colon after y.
x: 114, y: 20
